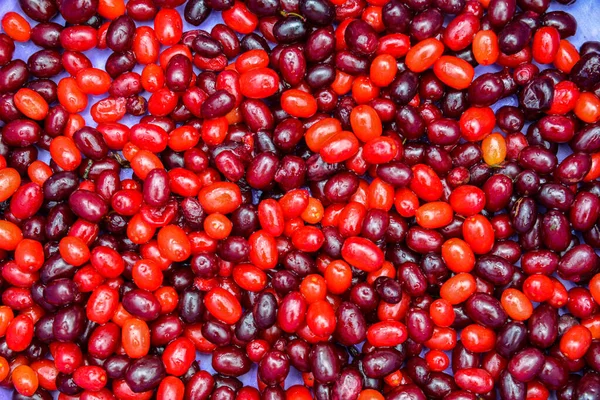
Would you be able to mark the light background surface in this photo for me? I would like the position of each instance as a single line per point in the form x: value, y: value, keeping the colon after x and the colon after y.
x: 586, y: 12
